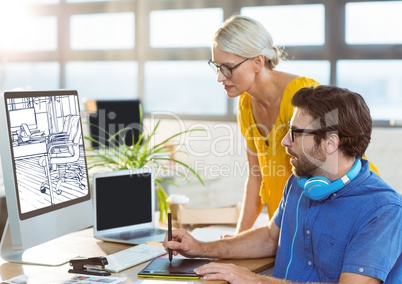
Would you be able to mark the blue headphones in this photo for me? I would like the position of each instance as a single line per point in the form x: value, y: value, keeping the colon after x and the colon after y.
x: 319, y: 187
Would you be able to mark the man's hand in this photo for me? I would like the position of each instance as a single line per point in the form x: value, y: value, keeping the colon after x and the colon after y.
x: 183, y: 243
x: 229, y: 272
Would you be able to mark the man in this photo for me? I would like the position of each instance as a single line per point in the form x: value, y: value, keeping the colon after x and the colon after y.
x: 338, y: 222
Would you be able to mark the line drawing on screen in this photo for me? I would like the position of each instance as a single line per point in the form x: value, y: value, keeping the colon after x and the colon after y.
x: 47, y: 146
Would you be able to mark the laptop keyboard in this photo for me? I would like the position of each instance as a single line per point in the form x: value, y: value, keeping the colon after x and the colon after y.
x: 133, y: 256
x: 139, y: 234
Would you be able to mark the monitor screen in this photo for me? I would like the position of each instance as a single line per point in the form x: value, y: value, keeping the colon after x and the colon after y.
x: 44, y: 166
x: 130, y: 202
x: 108, y: 117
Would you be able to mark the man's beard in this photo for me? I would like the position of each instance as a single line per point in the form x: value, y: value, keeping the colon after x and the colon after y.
x: 307, y: 163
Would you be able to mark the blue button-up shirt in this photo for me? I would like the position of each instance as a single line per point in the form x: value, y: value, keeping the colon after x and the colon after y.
x: 357, y: 229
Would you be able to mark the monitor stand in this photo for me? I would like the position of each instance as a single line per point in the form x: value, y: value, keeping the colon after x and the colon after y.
x: 52, y: 253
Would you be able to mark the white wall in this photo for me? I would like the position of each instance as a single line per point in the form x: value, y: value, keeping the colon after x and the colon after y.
x: 385, y: 150
x: 217, y: 153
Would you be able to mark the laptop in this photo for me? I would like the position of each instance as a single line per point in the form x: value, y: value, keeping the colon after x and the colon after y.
x: 124, y: 207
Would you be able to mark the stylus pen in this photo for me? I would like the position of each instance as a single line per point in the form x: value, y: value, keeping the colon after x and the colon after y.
x: 170, y: 235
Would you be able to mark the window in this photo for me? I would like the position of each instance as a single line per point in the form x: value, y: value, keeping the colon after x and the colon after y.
x: 317, y: 70
x: 21, y: 32
x: 30, y: 75
x: 102, y: 31
x: 30, y: 2
x: 77, y: 1
x: 186, y: 87
x: 378, y: 81
x: 167, y: 28
x: 291, y: 24
x: 103, y: 79
x: 374, y: 22
x: 157, y: 50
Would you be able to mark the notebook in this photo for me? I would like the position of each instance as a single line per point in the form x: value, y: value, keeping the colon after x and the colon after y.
x: 124, y: 206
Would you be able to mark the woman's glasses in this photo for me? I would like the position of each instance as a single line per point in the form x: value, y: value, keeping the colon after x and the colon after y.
x: 225, y: 70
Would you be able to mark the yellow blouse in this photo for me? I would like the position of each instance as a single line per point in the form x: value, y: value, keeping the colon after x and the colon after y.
x: 272, y: 157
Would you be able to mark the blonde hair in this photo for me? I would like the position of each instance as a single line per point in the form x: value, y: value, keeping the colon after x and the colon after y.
x: 248, y: 38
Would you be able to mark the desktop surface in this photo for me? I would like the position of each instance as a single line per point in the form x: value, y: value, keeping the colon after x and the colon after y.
x: 90, y: 247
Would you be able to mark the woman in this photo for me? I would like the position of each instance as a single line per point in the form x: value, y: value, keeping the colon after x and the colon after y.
x: 244, y: 57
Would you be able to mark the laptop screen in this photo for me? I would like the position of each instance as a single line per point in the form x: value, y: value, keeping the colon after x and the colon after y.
x: 123, y: 198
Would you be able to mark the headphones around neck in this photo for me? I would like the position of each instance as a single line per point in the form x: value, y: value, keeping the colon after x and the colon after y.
x: 319, y: 187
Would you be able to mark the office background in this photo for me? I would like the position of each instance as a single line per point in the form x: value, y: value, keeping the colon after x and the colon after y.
x: 157, y: 51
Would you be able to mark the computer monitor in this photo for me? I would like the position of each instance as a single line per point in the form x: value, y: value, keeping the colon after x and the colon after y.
x: 108, y: 117
x: 22, y: 115
x: 45, y: 175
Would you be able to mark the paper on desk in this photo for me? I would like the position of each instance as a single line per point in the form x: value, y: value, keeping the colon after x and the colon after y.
x: 211, y: 233
x: 214, y: 232
x: 150, y: 281
x: 63, y: 278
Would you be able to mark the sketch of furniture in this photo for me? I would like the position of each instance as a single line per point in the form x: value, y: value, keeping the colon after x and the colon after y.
x: 34, y: 149
x: 64, y: 134
x: 26, y: 135
x: 47, y: 147
x: 63, y: 157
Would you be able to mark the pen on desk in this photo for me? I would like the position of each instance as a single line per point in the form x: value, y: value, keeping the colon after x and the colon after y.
x: 170, y: 234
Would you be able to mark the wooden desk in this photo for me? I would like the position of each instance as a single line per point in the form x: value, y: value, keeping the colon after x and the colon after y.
x: 30, y: 149
x: 84, y: 242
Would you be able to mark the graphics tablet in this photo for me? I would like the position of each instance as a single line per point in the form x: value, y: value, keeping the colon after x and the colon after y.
x: 179, y: 268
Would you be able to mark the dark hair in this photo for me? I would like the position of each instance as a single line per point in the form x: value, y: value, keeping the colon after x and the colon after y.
x: 341, y: 111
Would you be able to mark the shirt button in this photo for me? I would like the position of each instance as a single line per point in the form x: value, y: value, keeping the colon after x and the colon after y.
x: 308, y: 232
x: 334, y: 194
x: 309, y: 263
x: 361, y: 269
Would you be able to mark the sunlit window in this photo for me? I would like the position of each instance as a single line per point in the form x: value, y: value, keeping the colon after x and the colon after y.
x: 378, y: 81
x: 184, y: 87
x: 103, y: 79
x: 184, y: 28
x: 374, y: 22
x: 291, y: 24
x: 20, y: 32
x: 102, y: 31
x: 35, y: 2
x: 315, y: 69
x: 30, y: 76
x: 156, y: 50
x: 77, y: 1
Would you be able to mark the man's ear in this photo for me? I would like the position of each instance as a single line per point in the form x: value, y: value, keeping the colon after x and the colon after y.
x: 332, y: 143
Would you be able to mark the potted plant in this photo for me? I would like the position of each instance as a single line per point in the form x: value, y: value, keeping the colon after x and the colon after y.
x: 145, y: 152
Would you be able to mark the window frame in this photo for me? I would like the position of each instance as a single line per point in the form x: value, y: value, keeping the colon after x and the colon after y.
x: 334, y: 48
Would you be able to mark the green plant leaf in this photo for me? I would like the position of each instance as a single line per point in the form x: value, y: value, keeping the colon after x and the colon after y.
x: 142, y: 154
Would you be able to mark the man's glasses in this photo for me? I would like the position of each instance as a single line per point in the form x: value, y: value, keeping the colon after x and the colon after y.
x: 225, y: 70
x: 293, y: 130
